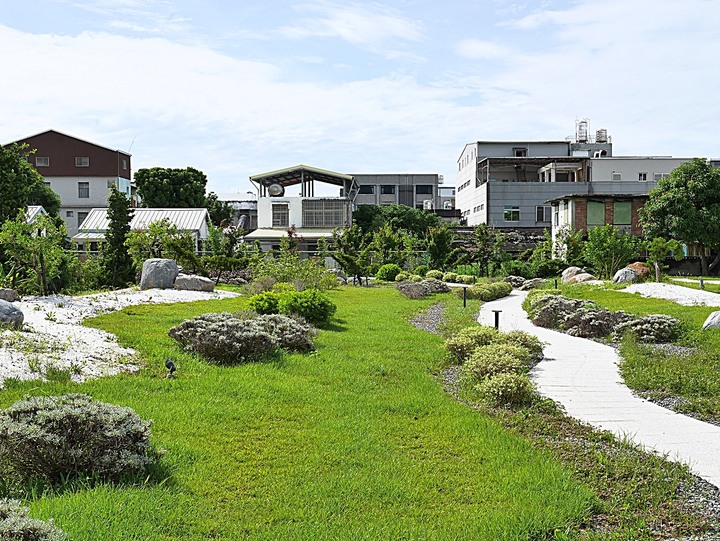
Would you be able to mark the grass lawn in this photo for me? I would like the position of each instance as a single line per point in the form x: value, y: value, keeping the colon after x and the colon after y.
x: 690, y: 374
x: 355, y: 441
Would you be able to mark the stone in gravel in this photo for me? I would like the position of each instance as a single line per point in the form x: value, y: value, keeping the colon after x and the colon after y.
x: 158, y: 273
x: 625, y: 276
x: 10, y: 315
x: 532, y: 284
x: 193, y: 282
x: 569, y: 273
x: 712, y: 321
x: 10, y: 295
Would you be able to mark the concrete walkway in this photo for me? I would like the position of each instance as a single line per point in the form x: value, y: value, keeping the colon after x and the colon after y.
x: 583, y: 376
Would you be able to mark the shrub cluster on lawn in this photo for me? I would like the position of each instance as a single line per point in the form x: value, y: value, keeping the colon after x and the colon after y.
x: 486, y: 292
x: 422, y: 288
x: 225, y: 338
x: 434, y: 274
x: 16, y: 525
x: 388, y: 272
x: 495, y: 365
x: 586, y: 320
x: 57, y: 438
x: 310, y: 304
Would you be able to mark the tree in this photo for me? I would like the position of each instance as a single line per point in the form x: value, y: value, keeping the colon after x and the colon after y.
x: 439, y: 246
x: 370, y: 218
x: 161, y: 187
x: 221, y: 213
x: 388, y: 246
x: 686, y: 206
x: 350, y: 249
x: 163, y: 239
x: 117, y: 263
x: 484, y: 248
x: 21, y: 185
x: 608, y: 249
x: 659, y: 249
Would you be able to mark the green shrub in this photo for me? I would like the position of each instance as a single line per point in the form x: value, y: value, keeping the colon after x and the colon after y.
x: 421, y: 270
x: 388, y: 272
x: 55, y: 438
x: 506, y: 389
x: 548, y: 268
x: 267, y: 302
x: 434, y: 274
x: 415, y: 278
x: 468, y: 339
x: 516, y: 267
x: 450, y: 277
x: 465, y: 279
x: 263, y: 283
x: 529, y: 341
x: 499, y: 289
x: 652, y: 328
x: 496, y: 358
x: 472, y: 270
x: 535, y: 295
x: 311, y: 304
x: 402, y: 276
x: 16, y: 525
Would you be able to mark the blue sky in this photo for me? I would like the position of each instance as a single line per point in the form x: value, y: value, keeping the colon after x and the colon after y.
x: 238, y: 88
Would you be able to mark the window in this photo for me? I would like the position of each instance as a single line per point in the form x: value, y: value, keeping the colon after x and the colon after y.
x: 83, y: 190
x: 47, y: 184
x: 81, y: 217
x: 367, y: 189
x: 659, y: 176
x: 511, y: 214
x: 42, y: 161
x: 387, y: 189
x: 616, y: 176
x: 622, y: 213
x: 556, y: 216
x: 280, y: 215
x: 110, y: 183
x: 642, y: 177
x: 325, y: 212
x: 595, y: 214
x: 520, y: 152
x: 124, y: 165
x: 424, y: 189
x: 69, y: 213
x: 543, y: 213
x: 82, y: 161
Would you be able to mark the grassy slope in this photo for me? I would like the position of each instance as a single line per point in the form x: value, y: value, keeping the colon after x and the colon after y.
x: 356, y: 441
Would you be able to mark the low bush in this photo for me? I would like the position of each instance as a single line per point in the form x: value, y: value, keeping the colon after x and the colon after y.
x: 552, y: 311
x: 653, y: 328
x: 450, y: 277
x: 506, y: 389
x: 535, y: 295
x: 388, y: 272
x: 462, y: 345
x: 485, y: 292
x: 401, y: 276
x: 467, y: 279
x: 57, y: 438
x: 496, y: 358
x: 16, y: 525
x: 421, y: 270
x: 528, y: 341
x: 434, y: 274
x: 311, y: 304
x: 415, y: 278
x: 263, y: 283
x: 414, y: 290
x: 593, y: 322
x: 292, y: 333
x: 266, y: 302
x: 517, y: 268
x: 548, y: 268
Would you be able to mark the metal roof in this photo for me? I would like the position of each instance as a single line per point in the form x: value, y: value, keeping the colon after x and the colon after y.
x: 185, y: 219
x: 598, y: 196
x: 303, y: 234
x: 299, y: 173
x: 33, y: 212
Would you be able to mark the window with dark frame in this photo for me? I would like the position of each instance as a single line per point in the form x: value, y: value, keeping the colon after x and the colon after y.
x: 387, y: 189
x: 367, y: 189
x: 83, y: 190
x: 82, y: 161
x: 280, y: 215
x: 424, y: 189
x: 511, y: 213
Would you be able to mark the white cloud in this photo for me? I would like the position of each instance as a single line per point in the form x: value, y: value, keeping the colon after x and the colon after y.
x: 476, y: 49
x: 142, y: 16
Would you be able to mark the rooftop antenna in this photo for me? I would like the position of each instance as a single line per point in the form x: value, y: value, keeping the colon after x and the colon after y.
x: 131, y: 144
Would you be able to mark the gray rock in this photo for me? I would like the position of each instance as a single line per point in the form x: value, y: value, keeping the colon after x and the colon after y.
x: 712, y: 321
x: 515, y: 281
x: 192, y: 282
x: 10, y: 315
x: 625, y: 276
x: 580, y: 278
x: 532, y: 284
x: 569, y: 273
x: 158, y: 273
x: 10, y: 295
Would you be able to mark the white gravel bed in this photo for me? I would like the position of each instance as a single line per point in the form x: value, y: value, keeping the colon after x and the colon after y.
x: 675, y: 293
x: 52, y: 338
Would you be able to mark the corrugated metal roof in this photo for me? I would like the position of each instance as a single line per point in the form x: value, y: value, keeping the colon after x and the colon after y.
x: 33, y: 211
x: 185, y: 219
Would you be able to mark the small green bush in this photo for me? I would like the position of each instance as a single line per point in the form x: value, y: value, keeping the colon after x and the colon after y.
x: 415, y: 278
x: 55, y: 438
x: 506, y: 389
x: 421, y: 270
x: 434, y: 274
x: 16, y: 525
x: 402, y: 276
x: 497, y: 358
x: 468, y: 339
x: 388, y: 272
x: 467, y: 279
x: 516, y: 267
x: 450, y: 277
x: 526, y: 340
x: 266, y: 302
x: 652, y: 328
x: 311, y: 304
x: 548, y: 268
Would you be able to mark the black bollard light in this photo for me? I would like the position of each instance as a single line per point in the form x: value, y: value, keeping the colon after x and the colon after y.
x: 702, y: 284
x: 497, y: 318
x: 464, y: 297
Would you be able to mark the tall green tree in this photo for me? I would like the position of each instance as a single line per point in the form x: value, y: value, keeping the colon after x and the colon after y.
x: 370, y: 218
x: 350, y: 248
x: 21, y: 185
x: 221, y: 213
x: 161, y: 187
x: 608, y: 249
x: 439, y: 246
x: 117, y: 263
x: 686, y: 206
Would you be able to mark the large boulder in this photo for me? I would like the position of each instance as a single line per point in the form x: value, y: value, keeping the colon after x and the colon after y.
x: 515, y: 281
x: 10, y: 295
x: 10, y: 315
x: 192, y: 282
x: 532, y: 283
x: 712, y: 321
x: 158, y: 273
x: 641, y: 269
x: 582, y: 277
x: 625, y: 276
x: 569, y: 273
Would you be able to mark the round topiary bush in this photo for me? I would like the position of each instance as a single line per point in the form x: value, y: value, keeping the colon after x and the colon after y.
x: 311, y: 304
x: 450, y: 277
x: 388, y: 272
x: 506, y: 389
x: 61, y: 437
x: 402, y: 276
x: 526, y: 340
x: 434, y: 274
x: 421, y: 270
x: 468, y: 339
x: 466, y: 279
x: 265, y: 303
x: 16, y: 525
x: 415, y: 278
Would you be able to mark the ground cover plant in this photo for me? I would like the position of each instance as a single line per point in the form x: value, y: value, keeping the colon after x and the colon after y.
x: 354, y: 441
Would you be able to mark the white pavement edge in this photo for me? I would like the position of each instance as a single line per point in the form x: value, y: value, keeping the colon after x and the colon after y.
x: 583, y: 376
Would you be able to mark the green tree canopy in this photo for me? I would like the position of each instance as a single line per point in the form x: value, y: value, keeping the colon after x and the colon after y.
x: 161, y: 187
x: 21, y: 185
x: 608, y: 249
x: 221, y: 213
x: 370, y: 218
x: 686, y: 206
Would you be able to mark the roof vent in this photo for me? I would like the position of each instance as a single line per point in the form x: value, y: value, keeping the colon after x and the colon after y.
x: 276, y: 190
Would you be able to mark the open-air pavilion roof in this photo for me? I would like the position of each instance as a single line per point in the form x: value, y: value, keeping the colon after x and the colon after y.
x: 304, y: 175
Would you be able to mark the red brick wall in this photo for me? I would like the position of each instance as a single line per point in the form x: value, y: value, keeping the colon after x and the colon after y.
x: 581, y: 215
x: 635, y: 227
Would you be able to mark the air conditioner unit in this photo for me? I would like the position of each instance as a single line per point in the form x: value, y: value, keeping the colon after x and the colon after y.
x: 428, y: 204
x: 441, y: 179
x: 447, y: 205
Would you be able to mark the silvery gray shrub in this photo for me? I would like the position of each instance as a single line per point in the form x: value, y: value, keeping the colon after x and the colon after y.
x: 653, y: 328
x: 15, y: 524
